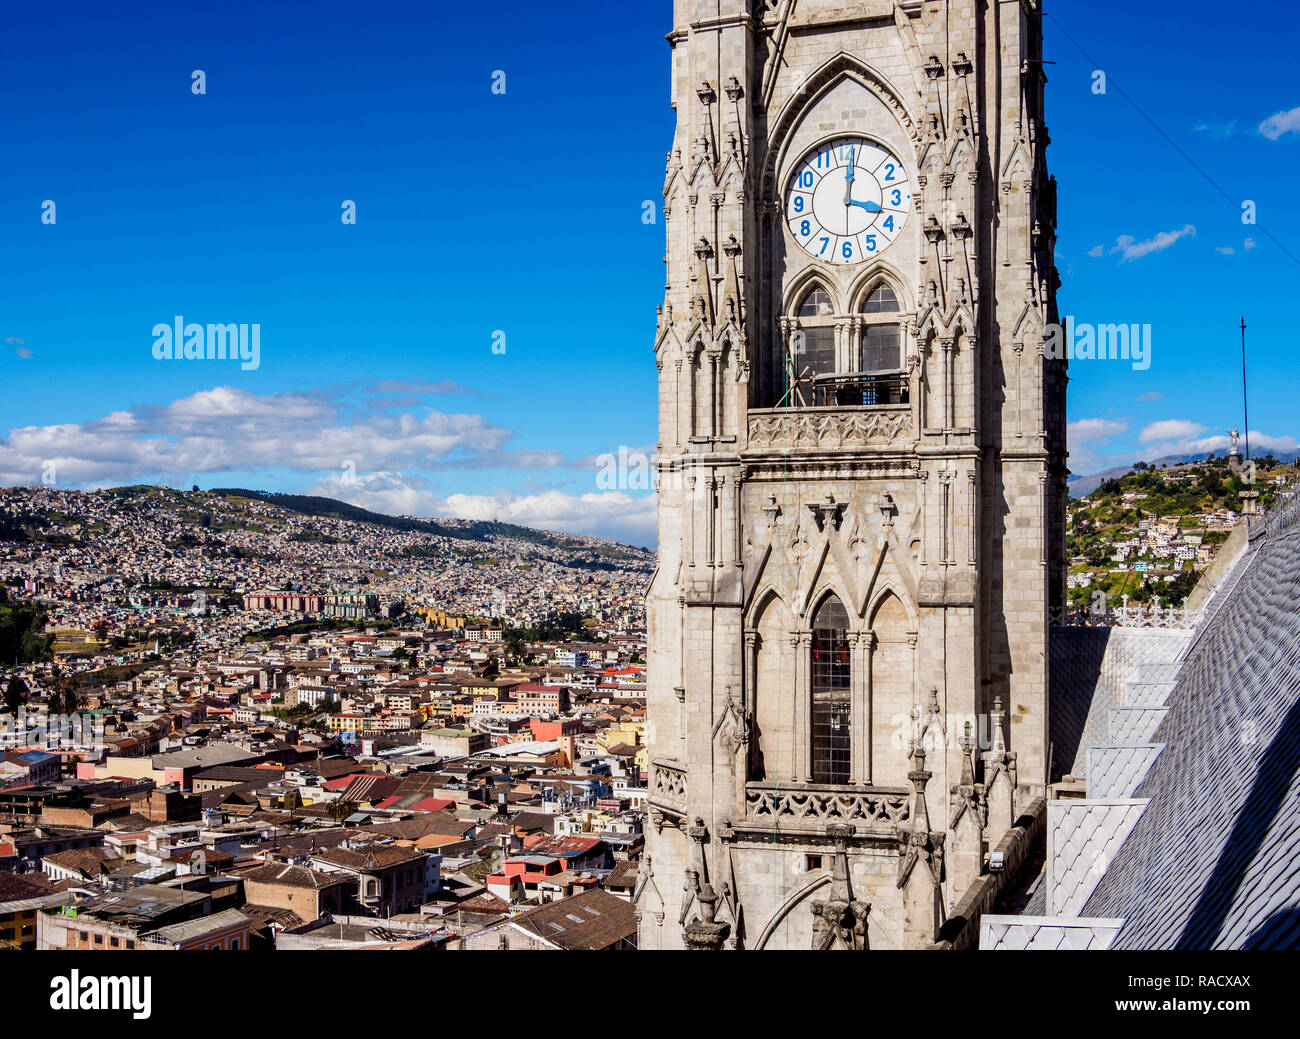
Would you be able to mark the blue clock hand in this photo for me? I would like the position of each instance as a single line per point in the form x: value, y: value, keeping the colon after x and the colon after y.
x: 870, y: 207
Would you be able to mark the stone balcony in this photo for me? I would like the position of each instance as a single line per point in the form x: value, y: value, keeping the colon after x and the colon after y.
x: 791, y: 430
x: 668, y: 786
x: 791, y: 808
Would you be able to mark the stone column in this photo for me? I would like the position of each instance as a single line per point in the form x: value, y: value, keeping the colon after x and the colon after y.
x: 801, y: 641
x: 948, y: 388
x: 861, y: 646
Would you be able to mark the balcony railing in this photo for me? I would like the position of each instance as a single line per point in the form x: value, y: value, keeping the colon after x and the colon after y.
x: 668, y: 785
x: 830, y: 428
x: 809, y: 808
x: 859, y: 389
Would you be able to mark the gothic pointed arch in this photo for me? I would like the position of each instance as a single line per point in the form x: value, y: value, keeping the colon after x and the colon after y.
x: 842, y: 66
x: 802, y: 287
x: 892, y: 626
x: 877, y: 274
x: 771, y: 696
x: 891, y: 599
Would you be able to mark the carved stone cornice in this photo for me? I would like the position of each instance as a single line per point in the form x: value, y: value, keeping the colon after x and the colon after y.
x: 814, y: 428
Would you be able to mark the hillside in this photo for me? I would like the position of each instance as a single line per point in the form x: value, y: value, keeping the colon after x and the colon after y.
x: 1081, y: 485
x: 1150, y: 532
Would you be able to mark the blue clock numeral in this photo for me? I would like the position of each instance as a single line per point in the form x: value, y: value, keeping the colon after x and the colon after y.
x: 825, y: 243
x: 871, y: 243
x: 896, y: 197
x: 847, y: 251
x: 805, y: 229
x: 797, y: 205
x: 889, y: 167
x: 888, y: 222
x: 806, y: 179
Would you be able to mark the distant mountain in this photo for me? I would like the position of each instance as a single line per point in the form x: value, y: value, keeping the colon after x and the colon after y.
x: 1081, y: 486
x: 464, y: 530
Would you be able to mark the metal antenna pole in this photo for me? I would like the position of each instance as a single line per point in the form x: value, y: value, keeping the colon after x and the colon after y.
x: 1244, y: 406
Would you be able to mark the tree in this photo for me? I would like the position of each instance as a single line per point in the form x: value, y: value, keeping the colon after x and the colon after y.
x: 15, y: 694
x: 341, y: 808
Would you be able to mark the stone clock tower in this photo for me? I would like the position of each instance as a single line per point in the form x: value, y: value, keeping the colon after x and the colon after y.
x: 861, y: 470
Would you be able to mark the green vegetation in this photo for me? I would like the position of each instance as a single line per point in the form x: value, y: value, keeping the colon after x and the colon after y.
x: 556, y: 628
x: 110, y: 675
x: 315, y: 624
x: 1182, y: 494
x: 22, y: 635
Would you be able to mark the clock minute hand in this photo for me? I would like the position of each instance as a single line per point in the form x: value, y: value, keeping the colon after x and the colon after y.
x: 870, y: 207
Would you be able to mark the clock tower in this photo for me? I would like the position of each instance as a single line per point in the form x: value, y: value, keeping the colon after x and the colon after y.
x: 861, y: 470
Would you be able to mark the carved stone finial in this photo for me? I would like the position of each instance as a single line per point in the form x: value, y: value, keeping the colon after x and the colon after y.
x: 704, y: 932
x: 841, y: 920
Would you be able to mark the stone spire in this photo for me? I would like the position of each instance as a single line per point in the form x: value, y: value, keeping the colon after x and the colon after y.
x: 921, y: 872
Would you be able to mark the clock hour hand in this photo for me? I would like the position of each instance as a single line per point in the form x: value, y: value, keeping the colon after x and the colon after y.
x: 848, y: 180
x: 870, y: 207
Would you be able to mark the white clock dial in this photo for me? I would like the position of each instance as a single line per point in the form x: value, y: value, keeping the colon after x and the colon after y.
x: 847, y: 200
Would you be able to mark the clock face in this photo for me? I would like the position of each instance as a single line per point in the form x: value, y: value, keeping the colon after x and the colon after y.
x: 847, y: 200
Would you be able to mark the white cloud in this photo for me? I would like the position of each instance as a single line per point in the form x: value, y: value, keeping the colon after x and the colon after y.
x: 612, y: 514
x: 1249, y: 244
x: 1094, y: 429
x: 225, y: 429
x: 1218, y: 131
x: 1085, y: 435
x: 420, y: 387
x: 1170, y: 429
x: 1281, y: 123
x: 1096, y: 251
x: 1149, y: 395
x: 1224, y: 250
x: 1259, y: 443
x: 1183, y: 437
x: 1130, y: 248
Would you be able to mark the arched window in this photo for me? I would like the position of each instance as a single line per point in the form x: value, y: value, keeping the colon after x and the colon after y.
x: 881, y: 348
x: 817, y: 304
x: 812, y: 346
x: 831, y: 696
x: 881, y: 300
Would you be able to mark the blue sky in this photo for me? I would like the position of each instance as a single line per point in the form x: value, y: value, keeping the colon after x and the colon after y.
x: 521, y: 212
